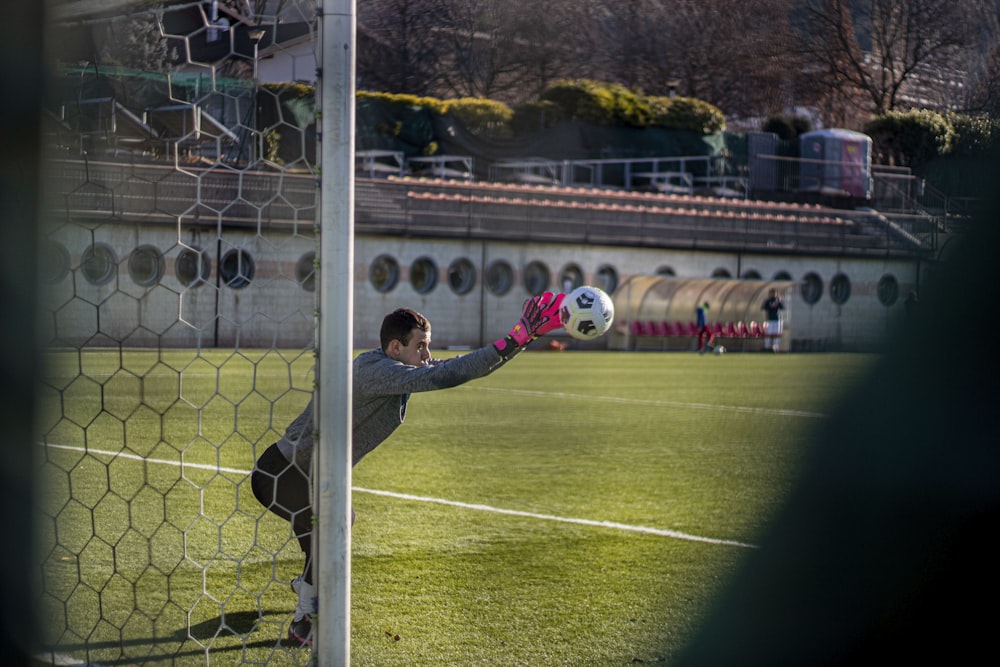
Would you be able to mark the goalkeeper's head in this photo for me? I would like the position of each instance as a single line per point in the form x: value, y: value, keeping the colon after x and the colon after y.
x: 400, y: 324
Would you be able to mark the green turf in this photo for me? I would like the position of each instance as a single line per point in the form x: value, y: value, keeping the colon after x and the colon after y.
x: 148, y: 561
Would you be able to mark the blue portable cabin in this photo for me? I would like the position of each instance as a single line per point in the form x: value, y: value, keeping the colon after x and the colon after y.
x: 836, y: 162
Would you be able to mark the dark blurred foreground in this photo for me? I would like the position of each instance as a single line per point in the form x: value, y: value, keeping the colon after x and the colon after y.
x: 883, y: 553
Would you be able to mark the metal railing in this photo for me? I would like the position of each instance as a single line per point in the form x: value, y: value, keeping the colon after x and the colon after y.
x: 163, y: 194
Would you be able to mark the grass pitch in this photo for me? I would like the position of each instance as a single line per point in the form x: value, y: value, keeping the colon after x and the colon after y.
x: 574, y: 508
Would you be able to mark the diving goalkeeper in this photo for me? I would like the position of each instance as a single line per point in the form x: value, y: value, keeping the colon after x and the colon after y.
x: 383, y: 380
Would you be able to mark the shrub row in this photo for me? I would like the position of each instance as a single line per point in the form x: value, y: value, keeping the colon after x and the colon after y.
x: 914, y: 138
x: 604, y: 104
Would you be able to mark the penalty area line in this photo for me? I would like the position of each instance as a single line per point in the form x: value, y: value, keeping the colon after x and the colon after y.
x: 559, y: 519
x: 614, y: 525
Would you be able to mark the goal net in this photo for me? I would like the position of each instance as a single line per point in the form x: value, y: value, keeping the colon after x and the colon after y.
x: 178, y: 257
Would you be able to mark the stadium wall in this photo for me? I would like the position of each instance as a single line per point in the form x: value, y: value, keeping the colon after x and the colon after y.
x: 464, y: 307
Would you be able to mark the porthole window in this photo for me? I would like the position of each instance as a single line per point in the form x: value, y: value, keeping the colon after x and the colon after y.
x: 98, y: 264
x: 536, y: 278
x: 607, y: 278
x: 383, y: 273
x: 146, y: 265
x: 666, y: 271
x: 811, y: 288
x: 54, y: 262
x: 192, y: 267
x: 461, y: 276
x: 782, y: 275
x: 305, y: 271
x: 570, y: 277
x: 236, y: 268
x: 499, y: 277
x: 751, y: 274
x: 888, y: 290
x: 721, y: 273
x: 840, y: 289
x: 424, y: 275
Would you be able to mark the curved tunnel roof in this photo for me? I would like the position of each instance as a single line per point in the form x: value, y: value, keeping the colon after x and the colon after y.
x: 662, y: 298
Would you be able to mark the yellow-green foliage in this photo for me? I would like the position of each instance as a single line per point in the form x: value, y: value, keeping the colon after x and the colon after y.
x: 974, y: 135
x: 406, y: 100
x: 911, y: 138
x: 290, y: 90
x: 481, y: 115
x: 608, y: 104
x: 612, y: 104
x: 687, y: 113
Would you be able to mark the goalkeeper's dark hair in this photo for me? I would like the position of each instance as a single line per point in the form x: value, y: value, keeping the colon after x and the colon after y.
x: 399, y: 324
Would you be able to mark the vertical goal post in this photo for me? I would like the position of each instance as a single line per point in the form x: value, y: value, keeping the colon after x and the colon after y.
x: 332, y: 485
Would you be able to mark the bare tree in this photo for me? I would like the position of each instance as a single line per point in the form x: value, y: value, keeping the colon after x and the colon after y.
x: 882, y: 47
x: 398, y: 46
x: 984, y: 88
x: 736, y: 54
x: 552, y: 44
x: 137, y: 43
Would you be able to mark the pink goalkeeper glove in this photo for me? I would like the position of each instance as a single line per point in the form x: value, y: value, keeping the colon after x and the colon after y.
x: 539, y: 316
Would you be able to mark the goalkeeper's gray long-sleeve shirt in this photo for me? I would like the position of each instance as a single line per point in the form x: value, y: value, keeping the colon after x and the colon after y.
x: 382, y: 387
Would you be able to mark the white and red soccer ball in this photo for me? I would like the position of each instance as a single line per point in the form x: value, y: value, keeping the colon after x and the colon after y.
x: 587, y: 313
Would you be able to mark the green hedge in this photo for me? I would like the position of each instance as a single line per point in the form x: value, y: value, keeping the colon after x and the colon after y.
x: 913, y: 138
x: 613, y: 105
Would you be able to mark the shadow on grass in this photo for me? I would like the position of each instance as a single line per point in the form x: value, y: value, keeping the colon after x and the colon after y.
x: 225, y: 634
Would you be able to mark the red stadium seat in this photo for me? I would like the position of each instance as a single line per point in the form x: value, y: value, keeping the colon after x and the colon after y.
x: 742, y: 330
x: 731, y: 331
x: 756, y: 331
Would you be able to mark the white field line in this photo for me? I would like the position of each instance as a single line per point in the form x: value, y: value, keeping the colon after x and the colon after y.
x: 655, y: 402
x: 440, y: 501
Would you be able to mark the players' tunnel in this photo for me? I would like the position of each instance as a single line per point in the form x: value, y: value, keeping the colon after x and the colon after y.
x: 658, y: 311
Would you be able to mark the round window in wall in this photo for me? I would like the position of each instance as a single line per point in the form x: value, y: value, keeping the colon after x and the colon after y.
x: 666, y: 271
x: 782, y: 275
x: 146, y: 265
x: 536, y: 278
x: 840, y: 289
x: 383, y: 273
x: 607, y: 278
x: 192, y: 267
x: 570, y: 277
x: 461, y: 276
x: 98, y: 264
x: 424, y: 275
x: 721, y: 273
x: 811, y: 288
x: 751, y: 275
x: 888, y: 290
x: 54, y: 261
x: 236, y: 268
x: 499, y: 277
x: 305, y: 271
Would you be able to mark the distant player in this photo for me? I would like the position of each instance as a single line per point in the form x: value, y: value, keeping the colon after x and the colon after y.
x: 772, y: 307
x: 383, y: 380
x: 705, y: 335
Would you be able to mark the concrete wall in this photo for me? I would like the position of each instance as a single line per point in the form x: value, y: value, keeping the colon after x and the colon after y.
x: 275, y: 309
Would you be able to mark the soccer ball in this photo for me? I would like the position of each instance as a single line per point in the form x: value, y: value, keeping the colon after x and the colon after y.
x: 719, y: 349
x: 587, y: 312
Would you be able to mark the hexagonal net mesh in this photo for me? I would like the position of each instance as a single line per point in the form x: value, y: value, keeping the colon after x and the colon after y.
x: 178, y: 252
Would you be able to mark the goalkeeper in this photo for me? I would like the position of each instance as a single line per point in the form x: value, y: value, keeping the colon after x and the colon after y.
x: 383, y: 380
